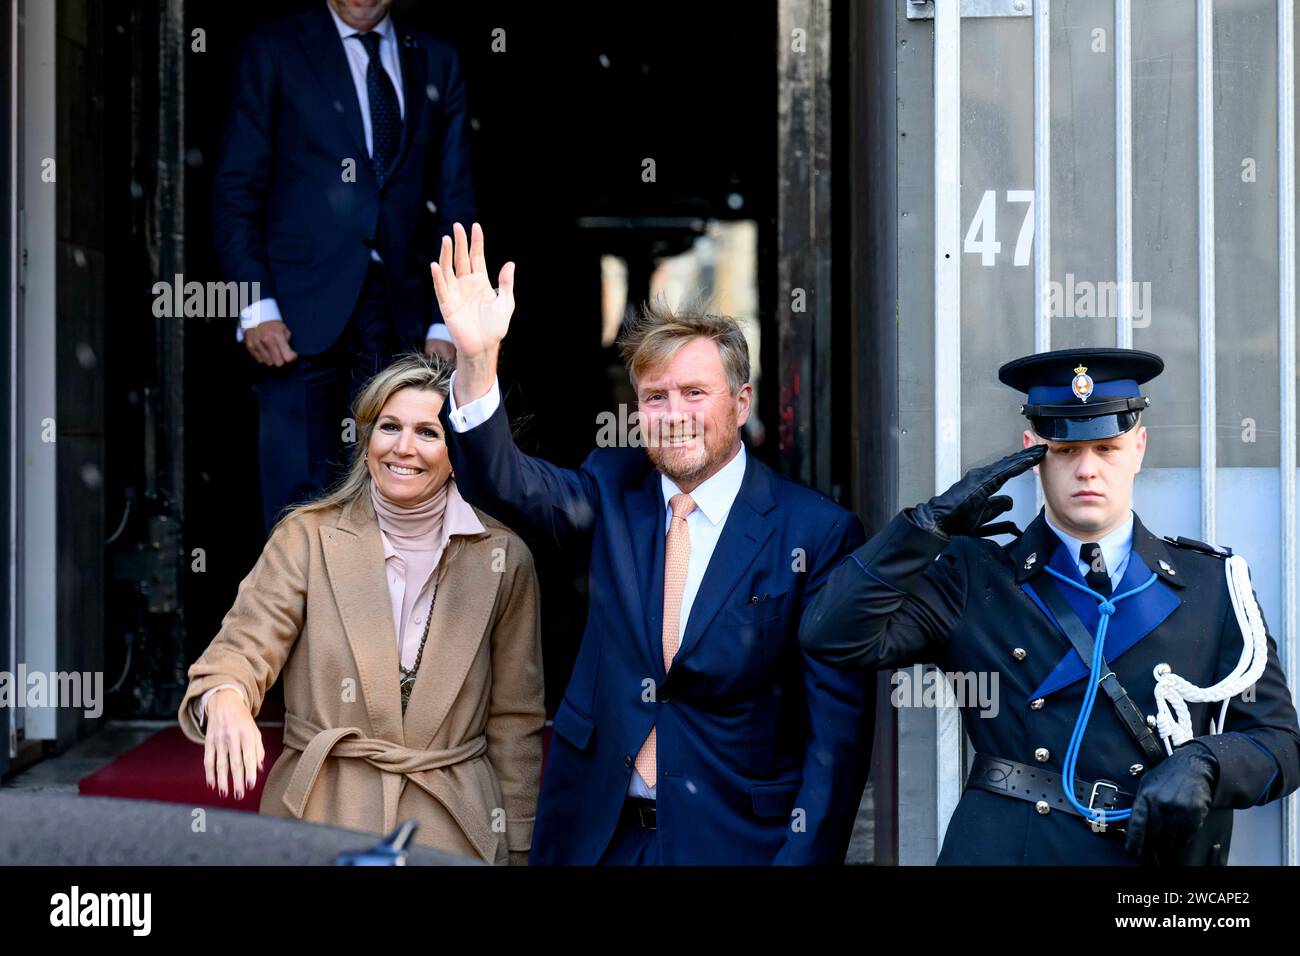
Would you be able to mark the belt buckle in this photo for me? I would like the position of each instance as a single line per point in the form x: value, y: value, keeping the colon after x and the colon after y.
x: 1098, y: 822
x: 641, y: 813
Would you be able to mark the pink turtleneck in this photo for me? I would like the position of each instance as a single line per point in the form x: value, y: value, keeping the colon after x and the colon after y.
x: 415, y: 538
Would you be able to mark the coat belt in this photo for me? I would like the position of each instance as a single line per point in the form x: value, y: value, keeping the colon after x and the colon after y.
x: 397, y: 762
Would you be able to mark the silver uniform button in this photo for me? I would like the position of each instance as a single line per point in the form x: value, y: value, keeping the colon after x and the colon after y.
x: 1151, y: 722
x: 1019, y: 653
x: 1042, y: 806
x: 1041, y: 755
x: 1136, y: 769
x: 1037, y: 703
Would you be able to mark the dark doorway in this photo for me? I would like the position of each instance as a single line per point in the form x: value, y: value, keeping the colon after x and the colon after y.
x: 563, y: 120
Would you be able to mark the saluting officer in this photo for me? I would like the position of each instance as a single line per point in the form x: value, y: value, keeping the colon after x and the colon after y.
x: 1136, y: 667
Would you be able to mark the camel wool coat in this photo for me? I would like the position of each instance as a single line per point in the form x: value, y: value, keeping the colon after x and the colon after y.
x: 466, y: 759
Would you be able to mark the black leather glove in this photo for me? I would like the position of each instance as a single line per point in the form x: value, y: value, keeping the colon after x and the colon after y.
x: 1172, y: 803
x: 966, y: 506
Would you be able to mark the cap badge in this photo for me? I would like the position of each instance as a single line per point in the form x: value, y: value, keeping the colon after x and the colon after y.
x: 1082, y: 384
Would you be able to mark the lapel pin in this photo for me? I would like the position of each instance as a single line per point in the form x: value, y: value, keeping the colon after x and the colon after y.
x: 1164, y: 566
x: 1029, y: 561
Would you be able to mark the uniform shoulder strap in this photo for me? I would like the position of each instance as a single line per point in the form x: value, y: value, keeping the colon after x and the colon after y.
x: 1191, y: 544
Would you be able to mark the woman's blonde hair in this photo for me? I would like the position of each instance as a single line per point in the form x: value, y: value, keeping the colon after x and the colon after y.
x: 409, y: 370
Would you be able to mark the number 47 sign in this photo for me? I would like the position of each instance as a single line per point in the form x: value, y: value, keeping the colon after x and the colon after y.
x: 982, y: 235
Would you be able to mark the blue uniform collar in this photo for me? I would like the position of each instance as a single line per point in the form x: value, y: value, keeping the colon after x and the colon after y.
x: 1036, y: 547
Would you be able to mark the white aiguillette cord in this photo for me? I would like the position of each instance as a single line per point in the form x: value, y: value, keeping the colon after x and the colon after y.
x: 1173, y: 692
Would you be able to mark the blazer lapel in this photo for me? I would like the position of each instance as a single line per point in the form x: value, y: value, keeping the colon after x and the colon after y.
x: 324, y: 49
x: 462, y: 611
x: 642, y: 593
x: 354, y: 563
x: 744, y: 533
x: 415, y: 81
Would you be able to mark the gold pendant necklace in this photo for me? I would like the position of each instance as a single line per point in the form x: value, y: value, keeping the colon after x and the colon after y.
x: 407, y: 682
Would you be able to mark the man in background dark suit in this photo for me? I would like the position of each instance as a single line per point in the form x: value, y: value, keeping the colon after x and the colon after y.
x: 344, y: 159
x: 694, y: 730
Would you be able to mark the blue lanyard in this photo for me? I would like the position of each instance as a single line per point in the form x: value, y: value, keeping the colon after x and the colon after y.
x: 1106, y: 607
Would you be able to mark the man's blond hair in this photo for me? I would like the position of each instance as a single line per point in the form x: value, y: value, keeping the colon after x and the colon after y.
x: 653, y: 337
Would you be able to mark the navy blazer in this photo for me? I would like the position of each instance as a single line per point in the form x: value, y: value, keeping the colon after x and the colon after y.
x: 967, y: 604
x: 283, y: 214
x: 762, y: 751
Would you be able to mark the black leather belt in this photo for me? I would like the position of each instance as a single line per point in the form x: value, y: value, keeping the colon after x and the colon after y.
x: 1042, y: 787
x: 638, y: 812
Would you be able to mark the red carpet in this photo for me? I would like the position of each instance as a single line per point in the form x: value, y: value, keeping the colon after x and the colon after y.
x: 169, y: 767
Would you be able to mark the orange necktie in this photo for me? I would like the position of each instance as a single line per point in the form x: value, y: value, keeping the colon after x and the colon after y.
x: 677, y: 557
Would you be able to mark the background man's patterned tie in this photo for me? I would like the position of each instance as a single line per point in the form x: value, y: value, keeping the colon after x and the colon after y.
x: 677, y: 556
x: 385, y: 114
x: 1098, y: 577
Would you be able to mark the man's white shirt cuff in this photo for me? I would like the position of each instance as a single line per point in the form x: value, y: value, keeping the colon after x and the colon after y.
x: 255, y: 313
x: 475, y: 413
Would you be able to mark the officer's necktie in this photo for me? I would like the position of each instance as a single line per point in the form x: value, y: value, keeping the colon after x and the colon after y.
x: 385, y: 114
x: 1098, y: 577
x: 677, y: 557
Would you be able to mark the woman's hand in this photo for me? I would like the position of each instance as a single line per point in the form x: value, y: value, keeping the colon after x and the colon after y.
x: 232, y: 742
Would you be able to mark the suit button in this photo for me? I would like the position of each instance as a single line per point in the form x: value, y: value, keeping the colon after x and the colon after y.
x: 627, y: 761
x: 1019, y: 653
x: 1037, y: 703
x: 1042, y: 755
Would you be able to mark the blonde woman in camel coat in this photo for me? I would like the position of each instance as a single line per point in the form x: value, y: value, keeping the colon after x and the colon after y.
x: 319, y: 606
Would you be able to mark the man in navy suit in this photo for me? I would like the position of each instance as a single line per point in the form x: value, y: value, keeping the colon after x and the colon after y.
x: 694, y: 730
x: 344, y: 159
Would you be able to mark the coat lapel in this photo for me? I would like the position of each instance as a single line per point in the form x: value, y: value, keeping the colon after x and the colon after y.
x: 415, y: 80
x: 643, y: 592
x: 324, y: 49
x: 354, y: 562
x: 744, y: 533
x: 462, y: 612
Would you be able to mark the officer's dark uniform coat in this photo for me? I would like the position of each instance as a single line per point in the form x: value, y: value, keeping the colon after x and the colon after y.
x: 967, y: 604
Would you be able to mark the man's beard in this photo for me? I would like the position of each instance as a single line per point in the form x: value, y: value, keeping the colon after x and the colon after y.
x: 668, y: 460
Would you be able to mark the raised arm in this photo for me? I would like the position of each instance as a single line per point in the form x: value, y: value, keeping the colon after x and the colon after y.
x: 895, y: 600
x: 492, y: 473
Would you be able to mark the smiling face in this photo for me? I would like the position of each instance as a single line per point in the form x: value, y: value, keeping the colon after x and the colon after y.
x: 1088, y: 485
x: 690, y: 416
x: 407, y: 456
